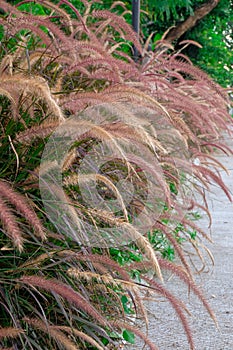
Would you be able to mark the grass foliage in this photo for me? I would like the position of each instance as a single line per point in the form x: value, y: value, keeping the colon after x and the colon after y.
x: 58, y: 61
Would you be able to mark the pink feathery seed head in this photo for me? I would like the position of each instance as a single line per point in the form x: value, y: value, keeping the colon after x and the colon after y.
x: 10, y: 332
x: 65, y: 292
x: 119, y: 23
x: 10, y: 225
x: 21, y: 204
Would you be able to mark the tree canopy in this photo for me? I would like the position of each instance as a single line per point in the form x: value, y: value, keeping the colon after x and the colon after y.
x: 209, y: 23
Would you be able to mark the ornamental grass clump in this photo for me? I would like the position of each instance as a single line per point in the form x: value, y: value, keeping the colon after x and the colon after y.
x: 99, y: 155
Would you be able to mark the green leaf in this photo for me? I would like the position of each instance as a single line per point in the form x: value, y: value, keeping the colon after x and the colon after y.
x: 126, y: 304
x: 35, y: 9
x: 105, y: 341
x: 129, y: 336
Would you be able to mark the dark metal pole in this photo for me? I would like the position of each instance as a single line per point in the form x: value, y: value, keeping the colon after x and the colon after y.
x: 136, y: 22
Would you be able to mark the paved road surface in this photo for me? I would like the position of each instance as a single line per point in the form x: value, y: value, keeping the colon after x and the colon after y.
x: 217, y: 284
